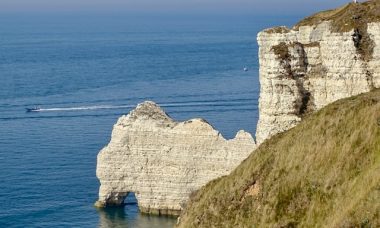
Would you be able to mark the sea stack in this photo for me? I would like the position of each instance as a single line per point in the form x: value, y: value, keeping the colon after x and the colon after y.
x: 163, y: 161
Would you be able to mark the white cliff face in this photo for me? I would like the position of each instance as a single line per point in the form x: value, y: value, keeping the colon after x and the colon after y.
x: 163, y: 161
x: 304, y: 70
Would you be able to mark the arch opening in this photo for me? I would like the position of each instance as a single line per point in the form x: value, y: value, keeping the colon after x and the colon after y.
x: 130, y: 199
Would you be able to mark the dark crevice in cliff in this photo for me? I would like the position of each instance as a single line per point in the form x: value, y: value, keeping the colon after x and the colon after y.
x: 363, y: 43
x: 306, y: 99
x: 305, y: 103
x: 281, y: 50
x: 369, y: 77
x: 300, y: 76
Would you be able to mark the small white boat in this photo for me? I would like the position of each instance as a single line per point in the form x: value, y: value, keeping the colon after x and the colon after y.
x: 245, y: 68
x: 35, y: 109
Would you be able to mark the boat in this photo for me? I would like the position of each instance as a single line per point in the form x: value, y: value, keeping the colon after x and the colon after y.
x: 245, y: 69
x: 35, y: 109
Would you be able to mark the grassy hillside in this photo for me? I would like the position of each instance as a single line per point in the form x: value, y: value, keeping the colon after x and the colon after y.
x: 323, y: 173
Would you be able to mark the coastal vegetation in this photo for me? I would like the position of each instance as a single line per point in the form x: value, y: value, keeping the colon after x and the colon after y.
x: 353, y: 16
x: 347, y: 17
x: 325, y: 172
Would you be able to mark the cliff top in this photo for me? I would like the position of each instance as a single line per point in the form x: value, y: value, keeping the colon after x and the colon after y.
x: 322, y: 173
x: 350, y: 17
x: 149, y: 110
x: 346, y: 18
x: 152, y: 112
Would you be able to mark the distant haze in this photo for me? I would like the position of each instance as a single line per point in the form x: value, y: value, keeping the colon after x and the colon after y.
x: 267, y: 7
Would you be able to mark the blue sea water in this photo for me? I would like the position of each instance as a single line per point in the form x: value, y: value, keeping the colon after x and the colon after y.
x: 85, y: 71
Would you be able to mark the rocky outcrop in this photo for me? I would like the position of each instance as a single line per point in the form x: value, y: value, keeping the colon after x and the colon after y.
x: 163, y: 161
x: 326, y: 57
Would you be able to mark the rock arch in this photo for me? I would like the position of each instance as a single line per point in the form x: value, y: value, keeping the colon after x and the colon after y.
x: 164, y: 161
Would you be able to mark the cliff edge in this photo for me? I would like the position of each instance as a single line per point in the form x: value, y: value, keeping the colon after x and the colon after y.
x: 163, y: 161
x: 329, y: 56
x: 325, y: 172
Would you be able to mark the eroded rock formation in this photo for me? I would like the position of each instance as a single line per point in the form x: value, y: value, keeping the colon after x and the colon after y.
x: 163, y: 161
x: 326, y: 57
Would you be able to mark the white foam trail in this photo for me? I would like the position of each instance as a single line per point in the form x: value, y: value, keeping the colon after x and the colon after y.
x: 97, y: 107
x: 84, y: 108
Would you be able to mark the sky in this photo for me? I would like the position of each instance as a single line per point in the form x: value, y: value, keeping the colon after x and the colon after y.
x: 253, y: 7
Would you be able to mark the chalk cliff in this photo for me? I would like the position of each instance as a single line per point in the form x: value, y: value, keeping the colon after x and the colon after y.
x: 163, y: 161
x: 326, y: 57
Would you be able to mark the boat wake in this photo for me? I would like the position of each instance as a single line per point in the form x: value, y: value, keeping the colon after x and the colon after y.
x: 84, y: 108
x: 164, y: 105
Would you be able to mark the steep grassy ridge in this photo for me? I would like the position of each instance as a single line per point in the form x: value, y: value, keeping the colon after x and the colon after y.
x: 323, y: 173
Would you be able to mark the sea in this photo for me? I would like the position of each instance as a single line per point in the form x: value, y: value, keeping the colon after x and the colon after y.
x: 86, y: 70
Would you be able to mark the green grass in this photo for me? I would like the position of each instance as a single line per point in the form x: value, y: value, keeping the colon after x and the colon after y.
x: 323, y: 173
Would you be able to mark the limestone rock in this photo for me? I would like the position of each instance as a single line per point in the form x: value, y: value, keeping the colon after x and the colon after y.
x: 305, y: 68
x: 163, y: 161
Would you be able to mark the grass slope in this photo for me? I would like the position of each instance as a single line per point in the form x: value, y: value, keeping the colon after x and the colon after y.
x: 323, y: 173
